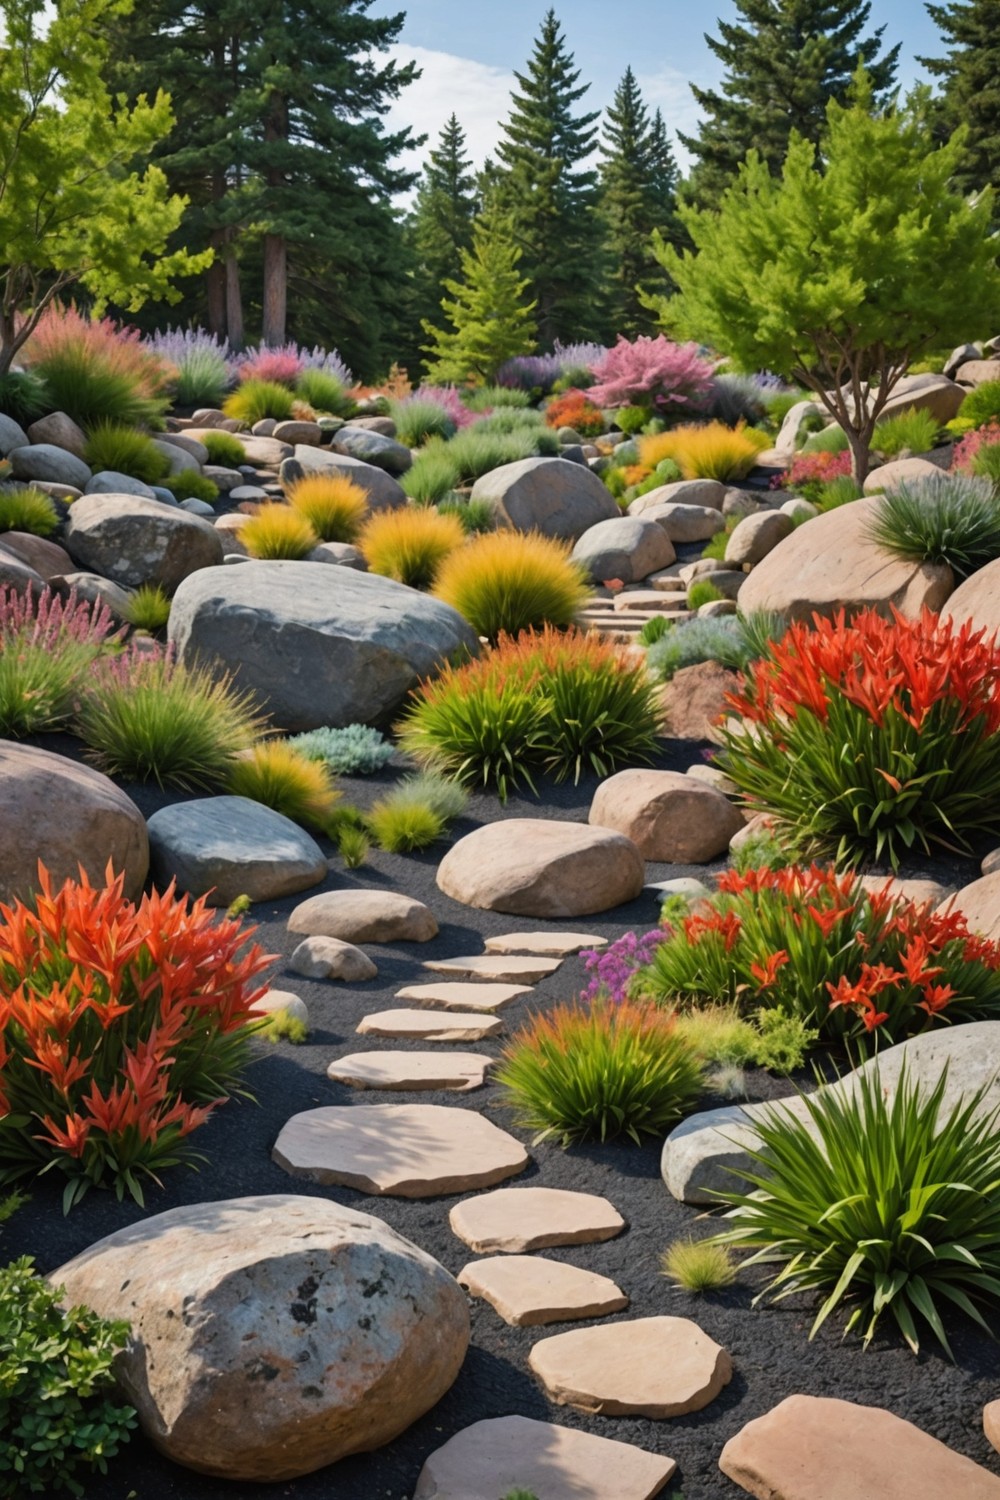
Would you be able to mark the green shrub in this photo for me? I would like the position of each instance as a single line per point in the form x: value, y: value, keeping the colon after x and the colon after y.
x: 782, y: 1040
x: 202, y: 378
x: 889, y: 1204
x: 23, y: 396
x: 355, y: 750
x: 986, y: 464
x: 702, y: 591
x: 47, y: 650
x: 596, y: 1071
x: 148, y: 608
x: 189, y: 484
x: 699, y: 1265
x: 504, y: 582
x: 353, y: 846
x: 324, y: 393
x: 833, y: 493
x: 282, y: 1026
x: 726, y: 640
x: 62, y: 1413
x: 654, y: 630
x: 433, y: 475
x: 633, y: 419
x: 402, y: 827
x: 979, y: 408
x: 256, y: 399
x: 951, y: 518
x: 912, y: 429
x: 91, y: 388
x: 832, y: 439
x: 224, y: 448
x: 278, y: 775
x: 149, y: 718
x: 716, y: 545
x: 488, y: 397
x: 774, y: 1039
x: 27, y: 510
x: 474, y: 516
x: 112, y: 445
x: 416, y: 421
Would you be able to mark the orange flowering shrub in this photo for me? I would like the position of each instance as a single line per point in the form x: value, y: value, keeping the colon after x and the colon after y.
x: 121, y: 1028
x: 574, y: 409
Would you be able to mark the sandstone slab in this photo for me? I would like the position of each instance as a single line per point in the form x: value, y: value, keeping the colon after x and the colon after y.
x: 459, y: 1071
x: 535, y: 867
x: 978, y: 599
x: 455, y: 994
x: 529, y: 1290
x: 225, y: 847
x: 991, y: 1423
x: 533, y: 1218
x: 670, y: 817
x: 647, y: 1367
x: 493, y: 1457
x: 549, y: 495
x: 425, y: 1026
x: 332, y: 958
x: 402, y: 1150
x: 694, y: 700
x: 928, y: 392
x: 507, y: 969
x: 364, y: 916
x: 133, y: 541
x: 818, y: 1448
x: 556, y: 944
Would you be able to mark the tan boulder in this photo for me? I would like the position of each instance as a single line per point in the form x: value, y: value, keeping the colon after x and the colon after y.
x: 537, y: 867
x: 61, y: 431
x: 331, y: 958
x: 694, y: 700
x: 833, y: 564
x: 979, y: 903
x: 273, y: 1335
x: 669, y: 817
x: 64, y: 815
x: 929, y: 392
x: 889, y: 477
x: 362, y: 916
x: 47, y: 558
x: 755, y: 536
x: 818, y: 1448
x: 978, y: 599
x: 977, y: 371
x: 991, y: 1423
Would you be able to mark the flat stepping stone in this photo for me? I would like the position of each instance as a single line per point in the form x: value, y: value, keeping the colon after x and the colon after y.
x: 527, y: 1290
x: 454, y: 995
x: 818, y: 1448
x: 461, y: 1071
x: 650, y: 1367
x: 491, y: 1458
x: 364, y: 917
x: 425, y: 1026
x: 495, y: 966
x: 554, y: 944
x: 402, y: 1150
x: 534, y: 1218
x: 331, y: 958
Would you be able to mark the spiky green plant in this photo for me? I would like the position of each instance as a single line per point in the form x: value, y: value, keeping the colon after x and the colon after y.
x: 699, y: 1265
x: 148, y: 608
x: 27, y: 510
x: 949, y: 518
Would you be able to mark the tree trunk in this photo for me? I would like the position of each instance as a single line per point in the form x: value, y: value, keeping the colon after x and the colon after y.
x: 234, y: 294
x: 275, y: 288
x: 215, y: 287
x: 860, y: 455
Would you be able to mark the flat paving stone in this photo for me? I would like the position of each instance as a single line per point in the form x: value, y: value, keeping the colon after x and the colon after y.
x: 533, y: 1218
x: 455, y: 995
x: 547, y: 944
x: 461, y: 1071
x: 527, y: 1290
x: 491, y: 1458
x: 402, y: 1150
x: 425, y: 1026
x: 511, y: 970
x: 648, y: 1367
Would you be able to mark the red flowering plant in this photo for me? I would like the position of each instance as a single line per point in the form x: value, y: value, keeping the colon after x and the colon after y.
x: 870, y: 737
x: 861, y: 966
x: 574, y: 409
x: 121, y: 1028
x: 809, y: 473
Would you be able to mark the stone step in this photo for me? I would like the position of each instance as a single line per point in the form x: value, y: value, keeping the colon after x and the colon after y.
x: 506, y: 968
x: 458, y: 995
x: 425, y: 1026
x: 458, y: 1071
x: 530, y: 1290
x: 556, y: 944
x: 533, y: 1218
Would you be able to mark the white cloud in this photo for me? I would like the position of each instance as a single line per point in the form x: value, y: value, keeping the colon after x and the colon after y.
x: 476, y: 92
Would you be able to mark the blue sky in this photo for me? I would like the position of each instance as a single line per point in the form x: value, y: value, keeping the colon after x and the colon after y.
x: 468, y: 50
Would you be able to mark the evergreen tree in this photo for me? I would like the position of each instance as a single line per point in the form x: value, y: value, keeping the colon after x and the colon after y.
x: 784, y: 60
x: 971, y: 74
x: 548, y: 192
x: 440, y: 227
x: 489, y: 317
x: 638, y: 195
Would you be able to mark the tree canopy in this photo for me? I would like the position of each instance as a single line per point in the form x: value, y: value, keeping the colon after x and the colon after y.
x: 490, y: 320
x: 971, y: 78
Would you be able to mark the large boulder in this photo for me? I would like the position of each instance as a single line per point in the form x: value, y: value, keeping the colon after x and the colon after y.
x: 671, y: 818
x: 273, y: 1335
x: 755, y: 536
x: 791, y: 426
x: 934, y: 393
x: 686, y: 523
x: 975, y: 371
x: 833, y: 564
x: 111, y: 482
x: 64, y: 815
x: 889, y: 477
x: 629, y: 548
x: 373, y: 448
x: 47, y: 558
x: 225, y: 847
x: 18, y: 575
x: 382, y: 491
x: 46, y: 461
x: 705, y: 492
x: 134, y: 541
x: 977, y: 599
x: 317, y: 645
x: 536, y: 867
x: 548, y: 495
x: 979, y: 904
x: 12, y: 435
x: 60, y: 430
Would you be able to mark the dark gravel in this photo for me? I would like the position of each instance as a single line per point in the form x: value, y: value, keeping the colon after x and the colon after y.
x: 771, y: 1352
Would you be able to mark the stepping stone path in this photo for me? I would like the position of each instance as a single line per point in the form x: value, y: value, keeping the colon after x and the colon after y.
x: 364, y: 917
x: 427, y: 1027
x: 817, y: 1448
x: 461, y: 1071
x: 533, y: 1218
x: 455, y: 995
x: 329, y: 958
x: 528, y: 1289
x: 403, y: 1150
x: 649, y: 1367
x: 493, y: 1457
x: 554, y: 944
x: 492, y: 966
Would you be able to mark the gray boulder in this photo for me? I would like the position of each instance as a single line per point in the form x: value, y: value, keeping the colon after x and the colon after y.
x: 12, y: 436
x: 60, y: 430
x: 91, y: 587
x: 686, y: 523
x: 704, y: 492
x: 18, y: 575
x: 373, y: 448
x: 318, y: 645
x: 46, y: 461
x: 133, y: 540
x: 381, y: 489
x: 110, y: 482
x: 629, y: 548
x: 185, y: 442
x: 180, y: 459
x: 548, y: 495
x: 225, y: 847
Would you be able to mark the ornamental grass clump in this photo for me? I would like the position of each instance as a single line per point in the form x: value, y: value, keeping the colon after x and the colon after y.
x: 123, y: 450
x: 278, y: 531
x: 545, y: 703
x: 224, y: 448
x: 433, y: 475
x: 699, y: 1265
x: 333, y: 505
x: 871, y: 737
x: 148, y: 608
x: 504, y: 582
x: 411, y: 544
x: 416, y: 812
x: 671, y: 378
x: 914, y: 430
x: 417, y: 420
x: 122, y: 1026
x: 708, y: 451
x: 885, y: 1202
x: 594, y: 1072
x: 28, y: 510
x: 190, y: 484
x: 858, y: 967
x: 199, y: 365
x: 256, y: 399
x: 48, y: 647
x: 95, y: 371
x: 277, y: 774
x: 950, y: 518
x: 732, y: 640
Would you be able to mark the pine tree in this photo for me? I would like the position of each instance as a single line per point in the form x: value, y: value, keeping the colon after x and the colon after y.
x: 490, y: 320
x: 971, y: 74
x: 784, y: 63
x: 638, y: 195
x: 440, y: 227
x: 549, y: 194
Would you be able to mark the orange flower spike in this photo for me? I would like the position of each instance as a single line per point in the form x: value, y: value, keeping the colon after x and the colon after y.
x: 71, y: 1137
x: 766, y: 973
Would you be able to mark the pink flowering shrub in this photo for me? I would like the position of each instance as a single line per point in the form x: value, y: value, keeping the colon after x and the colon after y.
x: 282, y: 366
x: 673, y: 378
x: 967, y: 451
x: 447, y: 397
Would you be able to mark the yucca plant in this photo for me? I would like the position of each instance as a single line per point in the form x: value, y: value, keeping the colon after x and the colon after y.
x: 278, y: 775
x: 256, y: 399
x: 950, y: 518
x: 411, y: 544
x: 148, y: 608
x: 27, y: 510
x: 278, y: 531
x: 224, y: 448
x: 882, y: 1201
x: 593, y: 1072
x: 334, y: 506
x: 509, y: 581
x: 112, y: 445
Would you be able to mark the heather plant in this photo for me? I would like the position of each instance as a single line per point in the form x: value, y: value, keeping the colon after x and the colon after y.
x: 417, y: 420
x: 122, y: 1026
x: 277, y: 774
x: 224, y: 448
x: 189, y: 484
x: 333, y: 505
x: 871, y: 737
x: 504, y: 583
x: 449, y: 400
x: 950, y: 518
x: 27, y: 510
x: 671, y: 378
x: 530, y: 373
x: 47, y: 648
x: 112, y: 445
x: 63, y: 1414
x: 256, y: 399
x: 278, y: 531
x: 912, y: 430
x: 199, y: 364
x: 95, y: 371
x: 410, y: 544
x: 282, y: 365
x: 355, y: 750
